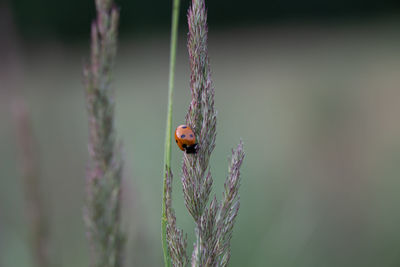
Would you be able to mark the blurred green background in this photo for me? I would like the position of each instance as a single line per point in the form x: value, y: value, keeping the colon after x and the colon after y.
x: 312, y: 88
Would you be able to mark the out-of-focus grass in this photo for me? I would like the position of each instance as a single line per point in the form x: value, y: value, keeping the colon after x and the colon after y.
x: 318, y: 115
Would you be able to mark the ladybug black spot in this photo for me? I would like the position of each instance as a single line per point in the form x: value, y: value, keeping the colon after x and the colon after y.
x: 184, y: 127
x: 191, y: 135
x: 183, y: 136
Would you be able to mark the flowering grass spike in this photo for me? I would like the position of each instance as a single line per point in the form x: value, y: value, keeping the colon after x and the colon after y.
x: 104, y: 174
x: 214, y: 221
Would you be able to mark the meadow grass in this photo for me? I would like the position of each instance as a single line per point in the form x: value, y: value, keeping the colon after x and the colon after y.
x: 30, y: 172
x: 167, y: 149
x: 278, y: 202
x: 214, y: 221
x: 104, y: 173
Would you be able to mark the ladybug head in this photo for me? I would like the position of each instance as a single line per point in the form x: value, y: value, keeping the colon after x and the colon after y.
x: 192, y: 149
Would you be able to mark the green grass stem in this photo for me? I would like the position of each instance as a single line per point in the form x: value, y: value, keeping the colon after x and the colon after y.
x: 168, y: 131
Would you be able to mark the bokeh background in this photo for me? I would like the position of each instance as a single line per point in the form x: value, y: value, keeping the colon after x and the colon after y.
x: 312, y: 88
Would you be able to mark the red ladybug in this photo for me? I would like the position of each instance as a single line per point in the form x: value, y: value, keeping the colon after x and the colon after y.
x: 185, y: 139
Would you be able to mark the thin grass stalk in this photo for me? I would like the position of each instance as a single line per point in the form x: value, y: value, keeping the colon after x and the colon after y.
x: 168, y: 131
x: 36, y: 215
x: 104, y: 173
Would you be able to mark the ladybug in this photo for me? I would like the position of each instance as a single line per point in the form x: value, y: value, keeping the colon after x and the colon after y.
x: 185, y: 139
